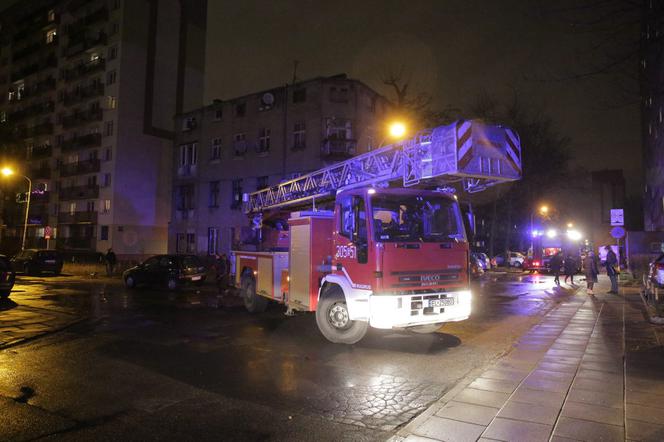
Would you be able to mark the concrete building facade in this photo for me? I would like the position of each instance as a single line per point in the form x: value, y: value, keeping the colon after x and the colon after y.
x: 652, y: 110
x: 244, y: 144
x: 91, y: 88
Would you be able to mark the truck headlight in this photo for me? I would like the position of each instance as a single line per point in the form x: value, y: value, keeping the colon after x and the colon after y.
x: 465, y: 297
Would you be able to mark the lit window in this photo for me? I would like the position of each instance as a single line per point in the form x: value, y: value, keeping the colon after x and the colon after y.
x: 72, y: 208
x: 51, y: 15
x: 107, y: 206
x: 51, y: 36
x: 111, y: 102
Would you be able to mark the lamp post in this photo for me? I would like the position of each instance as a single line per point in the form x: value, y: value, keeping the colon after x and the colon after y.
x: 542, y: 210
x: 6, y: 171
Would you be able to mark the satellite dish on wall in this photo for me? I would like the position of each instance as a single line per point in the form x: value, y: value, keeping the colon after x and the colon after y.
x: 268, y: 99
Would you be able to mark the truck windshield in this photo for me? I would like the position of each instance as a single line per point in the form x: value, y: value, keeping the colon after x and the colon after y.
x: 416, y: 218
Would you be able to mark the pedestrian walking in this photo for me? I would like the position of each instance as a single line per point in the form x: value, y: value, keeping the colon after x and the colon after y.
x: 611, y: 261
x: 222, y: 268
x: 555, y: 264
x: 111, y: 260
x: 570, y: 268
x: 591, y: 270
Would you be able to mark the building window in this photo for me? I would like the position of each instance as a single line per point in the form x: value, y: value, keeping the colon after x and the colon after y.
x: 115, y: 28
x: 108, y: 128
x: 107, y: 179
x: 92, y: 181
x: 112, y: 52
x: 300, y: 95
x: 213, y: 240
x: 72, y: 208
x: 90, y: 206
x: 240, y: 109
x: 261, y: 182
x: 263, y: 140
x: 240, y: 144
x: 215, y: 149
x: 339, y: 94
x: 184, y: 197
x: 107, y: 206
x: 213, y: 198
x: 51, y: 36
x: 188, y: 154
x: 299, y: 135
x: 103, y: 233
x: 3, y: 117
x: 236, y: 196
x: 108, y: 154
x: 50, y: 16
x: 115, y: 5
x: 218, y: 114
x: 191, y: 243
x: 111, y: 77
x: 111, y: 102
x: 189, y: 123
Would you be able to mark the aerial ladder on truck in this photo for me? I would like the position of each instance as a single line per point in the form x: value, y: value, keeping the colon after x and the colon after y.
x: 392, y: 251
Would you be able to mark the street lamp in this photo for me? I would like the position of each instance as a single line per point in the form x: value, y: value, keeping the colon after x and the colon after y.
x: 6, y: 171
x: 397, y: 129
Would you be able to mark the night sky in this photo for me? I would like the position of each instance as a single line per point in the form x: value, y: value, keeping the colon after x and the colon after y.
x: 454, y: 50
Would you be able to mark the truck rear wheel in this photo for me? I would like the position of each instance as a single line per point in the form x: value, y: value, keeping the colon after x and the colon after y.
x: 333, y: 319
x: 253, y: 302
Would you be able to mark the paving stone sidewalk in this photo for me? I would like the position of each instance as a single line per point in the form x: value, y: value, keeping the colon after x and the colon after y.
x: 593, y: 370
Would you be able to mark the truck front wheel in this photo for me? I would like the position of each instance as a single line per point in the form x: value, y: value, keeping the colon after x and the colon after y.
x: 334, y: 321
x: 253, y: 302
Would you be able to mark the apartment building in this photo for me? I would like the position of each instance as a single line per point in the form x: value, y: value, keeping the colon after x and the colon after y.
x: 90, y: 88
x: 237, y: 146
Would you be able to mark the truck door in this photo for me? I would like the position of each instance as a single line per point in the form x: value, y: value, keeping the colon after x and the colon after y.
x: 352, y: 252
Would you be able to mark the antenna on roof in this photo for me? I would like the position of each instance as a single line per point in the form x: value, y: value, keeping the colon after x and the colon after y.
x: 295, y: 63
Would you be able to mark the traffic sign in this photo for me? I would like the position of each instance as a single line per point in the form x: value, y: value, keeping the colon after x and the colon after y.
x: 617, y: 232
x: 48, y: 231
x: 617, y: 217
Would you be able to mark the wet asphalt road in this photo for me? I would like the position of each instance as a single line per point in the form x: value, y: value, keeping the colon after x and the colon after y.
x: 104, y: 363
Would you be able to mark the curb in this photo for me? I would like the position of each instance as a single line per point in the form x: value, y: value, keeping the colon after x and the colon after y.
x: 651, y: 312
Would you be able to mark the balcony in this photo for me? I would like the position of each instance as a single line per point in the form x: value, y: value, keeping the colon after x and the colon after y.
x: 32, y: 111
x: 82, y: 142
x: 43, y: 173
x: 39, y: 197
x: 338, y: 148
x: 84, y: 42
x: 77, y: 217
x: 76, y: 243
x: 35, y: 131
x: 79, y: 192
x: 50, y: 61
x: 79, y: 26
x: 79, y: 118
x: 40, y: 151
x: 81, y: 167
x: 98, y: 64
x: 34, y: 23
x: 93, y: 90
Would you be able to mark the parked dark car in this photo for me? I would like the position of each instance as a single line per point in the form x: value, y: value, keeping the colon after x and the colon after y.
x: 36, y: 261
x: 7, y: 277
x: 171, y: 271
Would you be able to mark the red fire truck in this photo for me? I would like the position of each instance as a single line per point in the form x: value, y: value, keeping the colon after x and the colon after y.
x: 374, y: 240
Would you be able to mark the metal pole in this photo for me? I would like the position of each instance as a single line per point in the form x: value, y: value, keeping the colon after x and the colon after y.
x: 27, y: 209
x: 532, y: 239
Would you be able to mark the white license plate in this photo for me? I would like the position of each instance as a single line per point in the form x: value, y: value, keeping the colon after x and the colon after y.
x: 196, y: 278
x: 444, y: 302
x: 49, y: 261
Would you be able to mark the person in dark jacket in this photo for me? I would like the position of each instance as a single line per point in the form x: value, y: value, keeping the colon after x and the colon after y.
x: 111, y: 260
x: 591, y: 270
x: 611, y: 261
x: 555, y: 264
x: 222, y: 267
x: 570, y: 268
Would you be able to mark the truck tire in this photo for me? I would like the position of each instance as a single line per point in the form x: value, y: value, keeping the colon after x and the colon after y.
x: 253, y: 302
x: 333, y: 321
